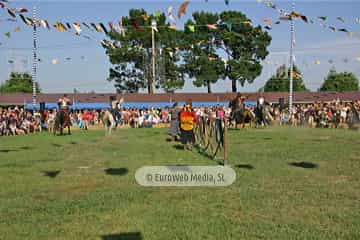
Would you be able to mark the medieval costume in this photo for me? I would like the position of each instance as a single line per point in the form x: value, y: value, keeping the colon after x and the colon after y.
x: 187, y: 124
x: 174, y: 129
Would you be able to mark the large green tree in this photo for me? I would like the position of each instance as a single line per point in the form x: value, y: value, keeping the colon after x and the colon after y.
x: 342, y: 81
x: 202, y: 61
x: 244, y: 45
x: 19, y: 83
x: 280, y: 82
x: 131, y: 54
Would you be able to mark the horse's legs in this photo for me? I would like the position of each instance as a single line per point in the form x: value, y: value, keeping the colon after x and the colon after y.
x: 69, y: 131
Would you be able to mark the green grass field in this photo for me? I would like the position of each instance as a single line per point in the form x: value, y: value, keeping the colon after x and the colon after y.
x: 292, y: 183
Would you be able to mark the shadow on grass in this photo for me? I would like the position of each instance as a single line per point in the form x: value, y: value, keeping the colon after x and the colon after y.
x: 179, y: 147
x: 7, y: 150
x: 245, y: 166
x: 56, y: 145
x: 116, y: 171
x: 306, y: 165
x: 123, y: 236
x: 51, y: 174
x: 26, y: 148
x: 73, y: 143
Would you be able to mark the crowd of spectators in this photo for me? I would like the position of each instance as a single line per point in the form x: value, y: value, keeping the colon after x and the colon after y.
x: 17, y: 121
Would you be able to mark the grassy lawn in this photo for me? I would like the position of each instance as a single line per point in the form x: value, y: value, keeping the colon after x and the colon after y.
x: 292, y: 183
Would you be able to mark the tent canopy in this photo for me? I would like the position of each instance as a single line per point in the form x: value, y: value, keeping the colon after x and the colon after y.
x: 104, y: 105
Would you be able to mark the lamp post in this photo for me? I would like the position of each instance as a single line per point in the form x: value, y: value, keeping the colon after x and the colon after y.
x: 153, y: 29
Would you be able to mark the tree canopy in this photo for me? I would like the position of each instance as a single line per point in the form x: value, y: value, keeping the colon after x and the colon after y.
x: 18, y: 83
x: 211, y: 47
x: 280, y: 82
x: 343, y: 81
x: 131, y: 52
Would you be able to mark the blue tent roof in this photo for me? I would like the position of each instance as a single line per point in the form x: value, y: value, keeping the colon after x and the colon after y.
x: 103, y: 105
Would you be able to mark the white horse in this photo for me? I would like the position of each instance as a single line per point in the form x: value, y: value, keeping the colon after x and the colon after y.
x: 109, y: 122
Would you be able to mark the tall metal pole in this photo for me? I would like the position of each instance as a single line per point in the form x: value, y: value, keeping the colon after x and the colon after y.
x: 34, y: 67
x: 292, y: 47
x: 152, y: 83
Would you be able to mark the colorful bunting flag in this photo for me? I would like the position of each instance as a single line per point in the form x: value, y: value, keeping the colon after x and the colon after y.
x: 8, y: 34
x: 77, y: 27
x: 340, y: 19
x: 191, y: 28
x: 45, y: 24
x: 212, y: 26
x: 60, y: 27
x: 173, y: 27
x: 11, y: 12
x: 182, y: 9
x: 267, y: 21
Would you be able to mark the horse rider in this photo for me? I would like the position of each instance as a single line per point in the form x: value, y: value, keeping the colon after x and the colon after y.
x: 237, y: 106
x: 115, y: 110
x: 64, y: 105
x: 259, y: 111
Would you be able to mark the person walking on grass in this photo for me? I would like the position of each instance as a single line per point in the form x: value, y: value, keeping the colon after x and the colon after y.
x: 187, y: 124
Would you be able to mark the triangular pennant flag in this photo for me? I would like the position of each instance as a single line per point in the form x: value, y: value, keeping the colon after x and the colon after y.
x: 173, y: 27
x: 68, y: 25
x: 268, y: 27
x: 333, y: 28
x: 343, y: 30
x: 11, y: 12
x: 86, y: 25
x: 98, y: 28
x: 145, y: 17
x: 60, y: 27
x: 212, y: 26
x: 304, y: 18
x: 317, y: 62
x: 111, y: 27
x: 121, y: 28
x: 22, y: 10
x: 135, y: 24
x: 8, y: 34
x: 340, y: 19
x: 17, y: 29
x: 296, y: 74
x: 104, y: 28
x: 267, y: 21
x: 157, y: 14
x: 25, y: 20
x: 191, y: 28
x: 322, y: 18
x: 227, y: 2
x: 182, y: 8
x: 45, y: 24
x: 277, y: 22
x: 357, y: 20
x: 229, y: 26
x: 54, y: 61
x: 2, y: 5
x: 77, y: 28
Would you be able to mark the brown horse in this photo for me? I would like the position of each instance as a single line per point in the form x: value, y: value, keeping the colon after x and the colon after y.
x: 62, y: 120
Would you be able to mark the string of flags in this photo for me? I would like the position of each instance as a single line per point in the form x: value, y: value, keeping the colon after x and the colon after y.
x: 286, y: 16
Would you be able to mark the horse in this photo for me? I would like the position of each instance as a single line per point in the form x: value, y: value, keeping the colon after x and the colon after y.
x: 108, y: 121
x: 263, y: 115
x: 62, y: 120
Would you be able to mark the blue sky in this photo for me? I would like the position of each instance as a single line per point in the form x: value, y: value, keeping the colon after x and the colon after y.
x: 90, y: 73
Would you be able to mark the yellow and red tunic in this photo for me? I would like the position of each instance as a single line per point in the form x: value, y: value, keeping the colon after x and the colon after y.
x: 187, y: 120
